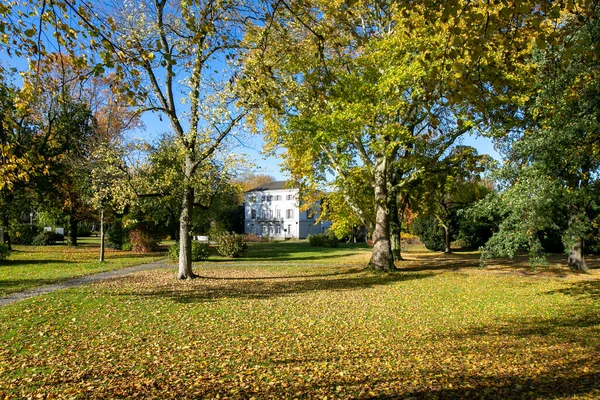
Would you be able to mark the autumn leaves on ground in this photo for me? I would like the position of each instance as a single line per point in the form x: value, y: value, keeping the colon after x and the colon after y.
x: 297, y: 325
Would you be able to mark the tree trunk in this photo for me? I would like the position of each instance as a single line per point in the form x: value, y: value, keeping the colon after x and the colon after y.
x: 102, y: 236
x: 73, y: 222
x: 394, y: 227
x: 185, y: 239
x: 381, y: 258
x: 446, y: 239
x: 576, y: 260
x: 5, y: 222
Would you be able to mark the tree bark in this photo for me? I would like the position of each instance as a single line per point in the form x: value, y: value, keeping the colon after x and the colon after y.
x: 576, y: 260
x: 381, y: 258
x: 394, y: 227
x: 102, y: 236
x: 185, y: 240
x: 446, y: 239
x: 73, y: 222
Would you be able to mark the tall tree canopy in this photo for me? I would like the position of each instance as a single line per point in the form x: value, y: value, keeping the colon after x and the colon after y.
x: 552, y: 179
x: 368, y: 83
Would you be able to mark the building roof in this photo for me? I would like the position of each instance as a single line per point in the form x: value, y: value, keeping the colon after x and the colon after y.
x: 277, y: 185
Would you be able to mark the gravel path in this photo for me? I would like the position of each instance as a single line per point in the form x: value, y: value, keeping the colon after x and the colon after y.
x: 82, y: 280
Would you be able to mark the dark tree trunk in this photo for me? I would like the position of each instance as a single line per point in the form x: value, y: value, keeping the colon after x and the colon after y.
x: 576, y: 260
x: 73, y: 222
x: 394, y: 228
x: 185, y: 239
x: 102, y: 236
x: 381, y: 258
x: 446, y: 239
x: 5, y: 221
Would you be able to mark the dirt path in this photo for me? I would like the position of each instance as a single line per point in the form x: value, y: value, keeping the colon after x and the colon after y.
x: 82, y: 280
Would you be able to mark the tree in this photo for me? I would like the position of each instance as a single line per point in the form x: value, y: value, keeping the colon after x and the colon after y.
x: 361, y: 84
x: 551, y: 182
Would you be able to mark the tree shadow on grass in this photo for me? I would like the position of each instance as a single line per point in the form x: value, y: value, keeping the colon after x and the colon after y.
x: 18, y: 263
x: 582, y: 290
x: 212, y: 289
x: 10, y: 286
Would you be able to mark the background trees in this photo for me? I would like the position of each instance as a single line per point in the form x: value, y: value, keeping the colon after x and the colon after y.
x: 551, y: 182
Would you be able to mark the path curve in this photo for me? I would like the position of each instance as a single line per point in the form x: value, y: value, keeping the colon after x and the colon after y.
x: 82, y: 280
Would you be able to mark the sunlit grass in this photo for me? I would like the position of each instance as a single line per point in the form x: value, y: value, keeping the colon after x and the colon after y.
x: 31, y: 266
x: 439, y: 328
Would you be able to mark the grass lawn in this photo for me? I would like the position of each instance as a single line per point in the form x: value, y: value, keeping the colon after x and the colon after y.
x: 31, y: 266
x: 297, y: 325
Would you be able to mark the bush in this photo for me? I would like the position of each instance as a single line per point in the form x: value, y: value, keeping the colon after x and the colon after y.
x: 116, y: 236
x: 126, y: 246
x: 231, y: 245
x: 45, y: 238
x: 252, y: 238
x: 4, y: 252
x: 84, y: 230
x: 23, y: 233
x: 323, y: 240
x: 143, y: 240
x: 431, y: 233
x: 199, y: 251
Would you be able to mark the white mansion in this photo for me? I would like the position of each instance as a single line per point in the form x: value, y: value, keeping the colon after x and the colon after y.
x: 272, y: 210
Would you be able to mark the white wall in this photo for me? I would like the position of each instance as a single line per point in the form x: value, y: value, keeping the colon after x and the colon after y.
x: 298, y: 225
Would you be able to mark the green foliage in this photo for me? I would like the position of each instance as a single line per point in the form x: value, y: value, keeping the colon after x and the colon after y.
x: 430, y: 232
x: 23, y: 233
x: 44, y: 238
x: 143, y: 240
x: 4, y: 251
x: 127, y: 246
x: 323, y: 240
x: 200, y: 251
x: 231, y: 245
x: 116, y: 236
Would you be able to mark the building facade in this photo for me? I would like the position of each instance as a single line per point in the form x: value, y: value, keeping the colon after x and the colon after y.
x: 271, y: 210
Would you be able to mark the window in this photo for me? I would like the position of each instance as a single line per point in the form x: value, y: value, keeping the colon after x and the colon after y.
x: 289, y: 197
x: 277, y: 198
x: 278, y: 214
x: 278, y: 229
x: 269, y: 198
x: 252, y: 199
x: 270, y: 214
x: 289, y: 213
x: 253, y: 214
x: 262, y: 198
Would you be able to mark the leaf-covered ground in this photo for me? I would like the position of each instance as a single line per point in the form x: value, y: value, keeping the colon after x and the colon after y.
x: 440, y: 328
x: 31, y: 266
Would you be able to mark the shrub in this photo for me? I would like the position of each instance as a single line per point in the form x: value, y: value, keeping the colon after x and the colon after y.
x: 252, y: 238
x: 199, y: 251
x: 84, y: 230
x: 431, y: 233
x: 4, y: 252
x: 116, y: 236
x: 23, y: 233
x: 45, y: 238
x: 323, y: 240
x: 231, y: 245
x: 143, y: 240
x: 126, y: 246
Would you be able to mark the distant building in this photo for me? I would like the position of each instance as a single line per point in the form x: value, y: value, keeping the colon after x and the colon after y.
x: 271, y: 210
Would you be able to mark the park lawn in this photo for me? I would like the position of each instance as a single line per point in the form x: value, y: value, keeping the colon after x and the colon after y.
x: 32, y: 266
x: 298, y: 252
x: 439, y: 328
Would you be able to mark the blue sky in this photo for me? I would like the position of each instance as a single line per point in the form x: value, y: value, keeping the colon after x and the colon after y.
x: 250, y: 145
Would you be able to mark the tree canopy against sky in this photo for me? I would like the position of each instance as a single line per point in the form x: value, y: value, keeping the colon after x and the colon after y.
x: 364, y: 84
x: 550, y: 182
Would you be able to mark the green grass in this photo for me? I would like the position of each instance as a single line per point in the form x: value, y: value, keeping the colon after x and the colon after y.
x: 31, y: 266
x: 311, y: 328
